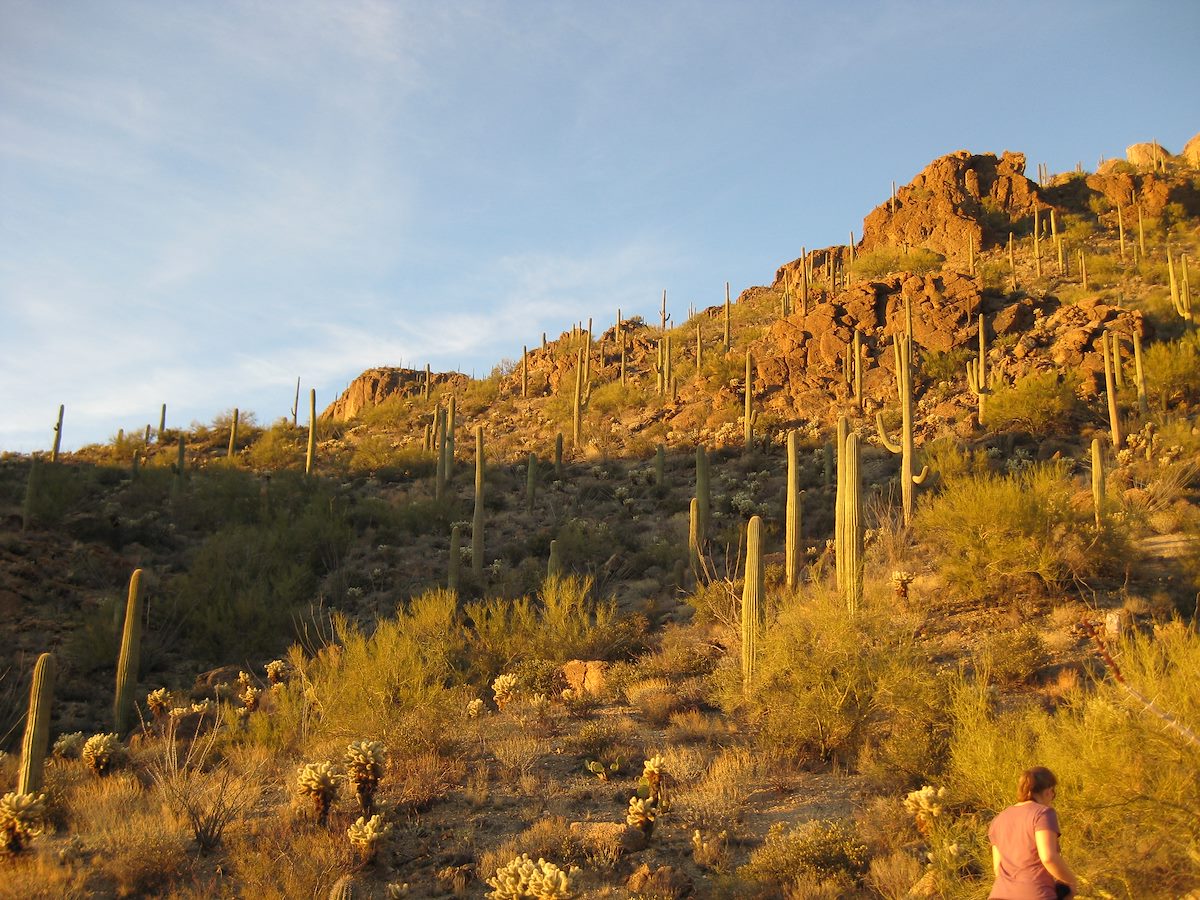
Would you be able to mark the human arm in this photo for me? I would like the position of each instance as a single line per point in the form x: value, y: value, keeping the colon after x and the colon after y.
x: 1047, y: 848
x: 995, y: 861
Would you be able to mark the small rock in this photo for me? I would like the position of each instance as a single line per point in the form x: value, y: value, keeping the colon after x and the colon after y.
x: 666, y: 882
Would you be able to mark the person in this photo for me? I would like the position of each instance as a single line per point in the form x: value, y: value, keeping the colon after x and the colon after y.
x: 1025, y: 856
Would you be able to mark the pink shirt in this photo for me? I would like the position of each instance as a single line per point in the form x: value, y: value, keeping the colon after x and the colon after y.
x: 1022, y: 875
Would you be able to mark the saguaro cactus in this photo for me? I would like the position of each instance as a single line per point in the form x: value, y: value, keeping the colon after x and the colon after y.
x: 37, y: 726
x: 162, y: 422
x: 577, y: 401
x: 903, y: 352
x: 1139, y: 373
x: 703, y: 496
x: 311, y: 457
x: 849, y: 542
x: 695, y: 538
x: 131, y: 649
x: 451, y: 416
x: 1097, y: 480
x: 439, y: 468
x: 233, y: 434
x: 530, y: 481
x: 57, y: 435
x: 558, y: 455
x: 728, y: 335
x: 554, y: 563
x: 452, y: 579
x: 752, y: 601
x: 1110, y: 389
x: 977, y: 373
x: 750, y: 415
x: 477, y: 519
x: 792, y: 554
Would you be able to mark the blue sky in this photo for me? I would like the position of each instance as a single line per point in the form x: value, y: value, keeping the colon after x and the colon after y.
x: 201, y: 202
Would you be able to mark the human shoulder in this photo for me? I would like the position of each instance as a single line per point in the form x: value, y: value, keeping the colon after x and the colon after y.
x: 1044, y: 818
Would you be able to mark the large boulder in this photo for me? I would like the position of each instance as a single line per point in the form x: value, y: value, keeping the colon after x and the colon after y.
x: 1146, y: 155
x: 1191, y: 152
x: 954, y: 201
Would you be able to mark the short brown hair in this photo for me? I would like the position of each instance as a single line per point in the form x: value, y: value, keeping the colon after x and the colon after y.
x: 1034, y: 781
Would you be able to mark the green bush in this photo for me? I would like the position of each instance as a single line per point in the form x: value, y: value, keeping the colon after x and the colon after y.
x: 1042, y: 403
x: 1173, y: 371
x: 1128, y: 785
x: 564, y: 623
x: 279, y: 447
x: 887, y: 260
x: 1013, y: 656
x: 1004, y: 537
x: 947, y: 366
x: 829, y: 687
x: 820, y: 849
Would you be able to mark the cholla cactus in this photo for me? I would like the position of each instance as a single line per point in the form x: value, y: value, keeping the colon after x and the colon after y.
x: 276, y: 671
x: 69, y: 746
x: 504, y: 687
x: 202, y: 707
x: 245, y: 679
x: 365, y: 761
x: 641, y: 815
x: 159, y: 702
x: 926, y: 806
x: 319, y: 782
x: 652, y: 787
x: 101, y: 752
x: 475, y: 709
x: 22, y: 816
x: 397, y: 889
x: 365, y: 835
x: 900, y: 582
x: 522, y: 878
x: 568, y: 695
x: 250, y: 697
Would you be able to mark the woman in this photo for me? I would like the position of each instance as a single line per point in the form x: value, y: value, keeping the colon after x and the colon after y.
x: 1024, y: 839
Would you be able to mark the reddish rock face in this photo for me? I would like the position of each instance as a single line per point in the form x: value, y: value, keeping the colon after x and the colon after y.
x: 956, y: 199
x: 374, y: 386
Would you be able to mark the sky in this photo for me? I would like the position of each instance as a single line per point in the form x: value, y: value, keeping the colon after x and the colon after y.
x: 202, y: 202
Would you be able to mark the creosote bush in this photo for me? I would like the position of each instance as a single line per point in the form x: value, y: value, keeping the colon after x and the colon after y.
x: 1006, y: 537
x: 1040, y: 402
x: 812, y: 849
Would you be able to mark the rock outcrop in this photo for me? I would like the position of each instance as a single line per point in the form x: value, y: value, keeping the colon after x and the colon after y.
x: 1191, y: 152
x: 374, y: 386
x: 1147, y: 155
x: 954, y: 200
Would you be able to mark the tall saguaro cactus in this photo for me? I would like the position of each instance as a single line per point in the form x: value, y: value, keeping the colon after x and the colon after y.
x: 695, y: 539
x: 57, y: 434
x: 750, y: 415
x: 452, y: 578
x: 451, y: 416
x: 477, y: 519
x: 311, y: 456
x: 1097, y: 480
x: 792, y: 555
x: 37, y: 726
x: 131, y: 651
x: 752, y: 601
x: 849, y: 538
x: 578, y: 401
x: 903, y: 352
x: 977, y: 373
x: 1110, y: 390
x: 703, y: 495
x: 233, y: 434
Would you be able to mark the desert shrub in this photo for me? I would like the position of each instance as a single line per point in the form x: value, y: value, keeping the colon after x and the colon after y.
x: 718, y: 798
x: 1005, y: 537
x: 1040, y: 402
x: 820, y: 849
x: 1173, y: 371
x: 279, y: 447
x: 946, y: 366
x: 886, y: 260
x: 1127, y: 784
x: 564, y: 623
x: 245, y: 582
x: 1013, y: 656
x: 833, y: 687
x: 391, y: 683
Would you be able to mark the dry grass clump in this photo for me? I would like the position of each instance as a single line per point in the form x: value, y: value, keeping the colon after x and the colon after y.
x: 316, y: 859
x: 695, y: 727
x: 518, y: 753
x: 719, y: 797
x: 419, y: 781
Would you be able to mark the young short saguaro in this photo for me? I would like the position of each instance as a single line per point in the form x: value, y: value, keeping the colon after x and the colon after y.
x: 131, y: 651
x: 37, y: 726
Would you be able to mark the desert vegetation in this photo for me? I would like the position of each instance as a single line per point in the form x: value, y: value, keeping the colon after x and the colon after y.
x: 773, y: 602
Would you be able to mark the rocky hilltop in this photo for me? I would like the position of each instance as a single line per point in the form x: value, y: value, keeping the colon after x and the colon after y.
x: 938, y: 248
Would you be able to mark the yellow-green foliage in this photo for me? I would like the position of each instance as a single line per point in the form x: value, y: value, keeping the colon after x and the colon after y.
x: 1001, y: 537
x: 385, y: 682
x: 279, y: 447
x: 1128, y: 787
x: 812, y: 849
x: 832, y: 687
x: 886, y: 260
x: 1173, y: 371
x: 1040, y: 402
x: 563, y: 623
